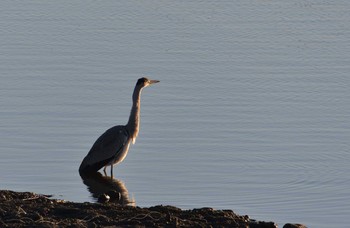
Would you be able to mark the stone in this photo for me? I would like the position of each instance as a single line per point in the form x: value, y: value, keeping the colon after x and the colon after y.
x: 294, y: 225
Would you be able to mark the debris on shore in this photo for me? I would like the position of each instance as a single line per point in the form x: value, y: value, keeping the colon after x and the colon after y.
x: 26, y: 209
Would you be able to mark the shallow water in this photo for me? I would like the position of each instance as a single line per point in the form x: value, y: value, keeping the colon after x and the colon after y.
x: 252, y: 112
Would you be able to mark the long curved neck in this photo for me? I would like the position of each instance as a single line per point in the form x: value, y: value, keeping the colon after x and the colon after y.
x: 134, y: 119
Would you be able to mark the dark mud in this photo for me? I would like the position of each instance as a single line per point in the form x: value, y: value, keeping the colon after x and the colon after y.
x: 26, y: 209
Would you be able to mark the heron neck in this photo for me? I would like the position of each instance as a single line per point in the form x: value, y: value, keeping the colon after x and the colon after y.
x: 134, y: 119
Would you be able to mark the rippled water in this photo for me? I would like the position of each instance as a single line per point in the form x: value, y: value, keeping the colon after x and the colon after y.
x: 252, y: 112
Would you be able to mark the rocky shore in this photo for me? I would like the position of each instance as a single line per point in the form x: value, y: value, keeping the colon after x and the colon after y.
x: 26, y: 209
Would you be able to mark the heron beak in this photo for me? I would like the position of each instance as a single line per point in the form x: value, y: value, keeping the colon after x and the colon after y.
x: 153, y: 81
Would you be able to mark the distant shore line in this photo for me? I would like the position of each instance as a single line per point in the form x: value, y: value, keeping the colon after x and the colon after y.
x: 19, y: 209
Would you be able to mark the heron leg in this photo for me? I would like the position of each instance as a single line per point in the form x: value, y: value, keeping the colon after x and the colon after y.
x: 104, y: 170
x: 112, y: 170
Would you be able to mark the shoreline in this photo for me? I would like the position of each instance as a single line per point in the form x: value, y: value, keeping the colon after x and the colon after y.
x: 19, y: 209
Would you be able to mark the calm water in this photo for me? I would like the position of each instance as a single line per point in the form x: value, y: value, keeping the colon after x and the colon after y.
x: 252, y: 112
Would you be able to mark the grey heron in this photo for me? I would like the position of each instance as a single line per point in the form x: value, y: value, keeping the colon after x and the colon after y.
x: 112, y: 146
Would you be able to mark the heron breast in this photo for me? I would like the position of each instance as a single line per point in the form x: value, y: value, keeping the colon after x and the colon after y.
x: 119, y: 157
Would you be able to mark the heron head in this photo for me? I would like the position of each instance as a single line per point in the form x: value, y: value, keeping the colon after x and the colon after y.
x: 143, y: 82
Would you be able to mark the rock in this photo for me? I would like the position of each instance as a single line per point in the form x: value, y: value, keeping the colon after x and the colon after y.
x: 260, y: 224
x: 103, y: 198
x: 114, y: 195
x: 296, y: 225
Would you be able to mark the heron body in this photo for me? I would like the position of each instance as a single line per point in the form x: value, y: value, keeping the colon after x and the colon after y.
x: 112, y: 146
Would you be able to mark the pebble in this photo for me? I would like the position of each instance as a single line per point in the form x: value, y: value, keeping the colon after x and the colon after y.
x: 114, y: 195
x: 103, y: 198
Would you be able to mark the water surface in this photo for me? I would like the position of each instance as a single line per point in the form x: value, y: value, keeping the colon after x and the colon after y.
x: 252, y: 112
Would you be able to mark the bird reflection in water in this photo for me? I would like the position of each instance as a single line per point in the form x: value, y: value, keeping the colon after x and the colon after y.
x: 105, y: 188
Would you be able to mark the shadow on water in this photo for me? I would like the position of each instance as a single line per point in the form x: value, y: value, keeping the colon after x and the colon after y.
x: 101, y: 186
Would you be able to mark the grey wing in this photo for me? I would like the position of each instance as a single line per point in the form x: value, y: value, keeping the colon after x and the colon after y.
x: 105, y: 148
